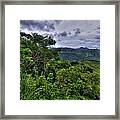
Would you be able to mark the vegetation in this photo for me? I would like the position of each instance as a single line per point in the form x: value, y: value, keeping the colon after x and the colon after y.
x: 79, y: 54
x: 44, y: 75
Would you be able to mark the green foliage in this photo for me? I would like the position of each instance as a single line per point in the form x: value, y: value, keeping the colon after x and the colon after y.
x: 45, y: 77
x: 35, y: 53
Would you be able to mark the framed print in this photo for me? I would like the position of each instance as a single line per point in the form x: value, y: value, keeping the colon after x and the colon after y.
x: 59, y: 59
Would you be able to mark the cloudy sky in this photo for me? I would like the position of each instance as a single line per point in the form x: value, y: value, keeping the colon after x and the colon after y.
x: 67, y: 33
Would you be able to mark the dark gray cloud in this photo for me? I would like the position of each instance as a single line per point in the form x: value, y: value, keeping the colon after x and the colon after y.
x: 69, y: 33
x: 98, y: 27
x: 63, y: 34
x: 97, y: 37
x: 77, y: 31
x: 37, y: 25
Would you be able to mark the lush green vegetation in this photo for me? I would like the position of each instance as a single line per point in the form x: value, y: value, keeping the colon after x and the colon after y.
x: 44, y: 75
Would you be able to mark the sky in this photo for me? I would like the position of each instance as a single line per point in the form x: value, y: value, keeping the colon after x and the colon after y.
x: 66, y: 33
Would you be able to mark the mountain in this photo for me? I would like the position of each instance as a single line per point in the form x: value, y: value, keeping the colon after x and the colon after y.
x: 79, y: 54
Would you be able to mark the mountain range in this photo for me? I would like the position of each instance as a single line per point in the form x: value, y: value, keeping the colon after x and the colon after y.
x: 79, y: 54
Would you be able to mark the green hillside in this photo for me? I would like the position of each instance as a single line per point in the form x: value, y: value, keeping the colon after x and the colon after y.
x: 56, y: 74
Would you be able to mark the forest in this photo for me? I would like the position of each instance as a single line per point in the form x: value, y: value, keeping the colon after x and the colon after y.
x: 48, y: 73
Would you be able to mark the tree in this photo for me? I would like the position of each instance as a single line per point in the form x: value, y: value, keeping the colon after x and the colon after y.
x: 35, y: 53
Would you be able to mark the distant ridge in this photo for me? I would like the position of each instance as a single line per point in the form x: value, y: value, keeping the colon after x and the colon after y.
x: 78, y: 54
x: 84, y: 48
